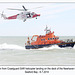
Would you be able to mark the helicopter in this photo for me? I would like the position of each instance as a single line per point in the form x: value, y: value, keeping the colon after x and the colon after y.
x: 22, y: 16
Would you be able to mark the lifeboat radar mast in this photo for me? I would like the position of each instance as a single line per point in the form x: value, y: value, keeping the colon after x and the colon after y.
x: 47, y: 30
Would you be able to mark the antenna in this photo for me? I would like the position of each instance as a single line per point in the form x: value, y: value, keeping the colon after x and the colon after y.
x: 46, y: 29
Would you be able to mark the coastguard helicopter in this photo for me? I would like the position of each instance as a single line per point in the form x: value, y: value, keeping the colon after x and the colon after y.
x: 22, y: 16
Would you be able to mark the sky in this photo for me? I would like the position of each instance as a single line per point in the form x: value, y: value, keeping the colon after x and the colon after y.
x: 59, y: 17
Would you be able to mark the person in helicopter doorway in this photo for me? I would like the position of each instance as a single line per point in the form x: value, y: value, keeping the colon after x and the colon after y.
x: 28, y: 42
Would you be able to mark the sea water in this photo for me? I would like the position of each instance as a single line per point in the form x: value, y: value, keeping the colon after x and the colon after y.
x: 13, y: 52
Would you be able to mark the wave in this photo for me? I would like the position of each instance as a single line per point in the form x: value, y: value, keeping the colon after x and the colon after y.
x: 56, y: 47
x: 74, y: 47
x: 50, y: 48
x: 6, y: 46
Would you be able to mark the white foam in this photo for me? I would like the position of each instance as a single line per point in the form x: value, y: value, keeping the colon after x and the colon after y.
x: 6, y: 46
x: 51, y: 47
x: 74, y: 47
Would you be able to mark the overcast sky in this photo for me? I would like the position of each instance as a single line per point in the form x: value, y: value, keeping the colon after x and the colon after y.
x: 60, y: 17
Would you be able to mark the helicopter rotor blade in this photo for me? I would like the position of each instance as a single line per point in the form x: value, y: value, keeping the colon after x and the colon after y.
x: 24, y: 8
x: 15, y: 9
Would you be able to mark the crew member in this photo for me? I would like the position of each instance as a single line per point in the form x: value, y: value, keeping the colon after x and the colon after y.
x: 28, y: 42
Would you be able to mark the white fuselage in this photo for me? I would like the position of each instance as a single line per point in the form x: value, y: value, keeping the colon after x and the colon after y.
x: 24, y: 15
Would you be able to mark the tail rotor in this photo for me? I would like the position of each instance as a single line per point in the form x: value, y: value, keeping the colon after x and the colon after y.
x: 2, y: 14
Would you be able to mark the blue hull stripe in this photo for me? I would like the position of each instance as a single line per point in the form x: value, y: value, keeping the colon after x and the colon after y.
x: 47, y: 45
x: 37, y: 46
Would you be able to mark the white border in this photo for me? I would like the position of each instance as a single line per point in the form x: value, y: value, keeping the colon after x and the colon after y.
x: 37, y: 0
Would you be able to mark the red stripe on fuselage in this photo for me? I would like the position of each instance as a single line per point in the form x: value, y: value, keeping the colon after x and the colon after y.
x: 12, y: 17
x: 34, y: 16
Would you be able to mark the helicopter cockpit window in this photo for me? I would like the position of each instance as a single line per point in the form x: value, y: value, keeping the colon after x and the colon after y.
x: 32, y: 13
x: 22, y: 13
x: 17, y: 14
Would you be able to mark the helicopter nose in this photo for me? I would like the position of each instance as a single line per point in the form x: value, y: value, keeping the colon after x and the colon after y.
x: 38, y: 14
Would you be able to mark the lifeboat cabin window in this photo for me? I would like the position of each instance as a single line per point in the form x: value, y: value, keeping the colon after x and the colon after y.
x: 49, y: 38
x: 34, y: 38
x: 57, y: 38
x: 42, y: 39
x: 53, y: 38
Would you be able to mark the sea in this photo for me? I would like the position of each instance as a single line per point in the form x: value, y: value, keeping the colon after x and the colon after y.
x: 13, y: 52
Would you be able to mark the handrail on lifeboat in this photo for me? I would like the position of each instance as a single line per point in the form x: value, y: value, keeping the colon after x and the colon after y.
x: 34, y: 36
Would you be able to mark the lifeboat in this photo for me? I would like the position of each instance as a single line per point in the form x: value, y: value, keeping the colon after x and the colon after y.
x: 47, y: 40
